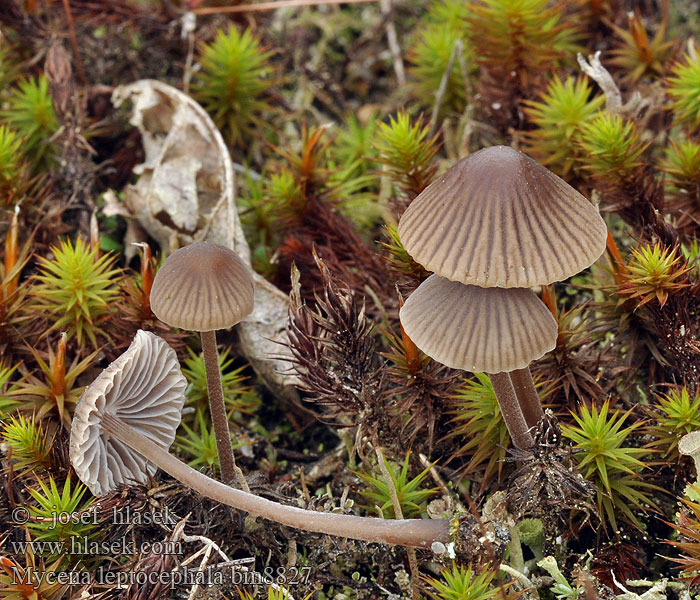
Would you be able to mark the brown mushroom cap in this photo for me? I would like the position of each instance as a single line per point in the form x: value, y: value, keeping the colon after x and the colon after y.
x: 202, y: 287
x: 478, y: 329
x: 145, y: 388
x: 498, y: 218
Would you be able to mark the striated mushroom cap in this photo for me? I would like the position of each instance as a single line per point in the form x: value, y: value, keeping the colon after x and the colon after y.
x: 478, y: 329
x: 145, y: 388
x: 202, y: 287
x: 498, y: 218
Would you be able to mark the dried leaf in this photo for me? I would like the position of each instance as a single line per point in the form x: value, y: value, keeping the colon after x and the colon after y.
x: 186, y: 193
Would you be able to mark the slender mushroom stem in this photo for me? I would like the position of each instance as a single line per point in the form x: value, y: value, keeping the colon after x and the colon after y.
x: 229, y: 471
x: 511, y: 411
x: 420, y: 533
x: 527, y: 396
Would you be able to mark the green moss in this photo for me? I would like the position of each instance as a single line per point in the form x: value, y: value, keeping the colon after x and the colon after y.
x: 236, y: 73
x: 30, y: 113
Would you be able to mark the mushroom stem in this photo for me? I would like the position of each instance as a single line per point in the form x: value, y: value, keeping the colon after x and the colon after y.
x: 420, y: 533
x: 527, y: 396
x: 511, y: 411
x: 229, y: 472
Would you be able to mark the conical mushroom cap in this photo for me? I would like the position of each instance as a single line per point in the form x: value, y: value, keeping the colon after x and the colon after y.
x: 202, y: 287
x: 145, y: 388
x: 497, y: 218
x: 478, y: 329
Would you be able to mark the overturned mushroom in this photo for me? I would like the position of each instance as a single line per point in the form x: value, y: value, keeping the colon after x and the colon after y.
x: 204, y: 287
x: 126, y: 420
x: 143, y: 388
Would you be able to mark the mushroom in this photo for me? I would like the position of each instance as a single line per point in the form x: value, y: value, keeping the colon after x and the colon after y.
x: 126, y: 420
x: 143, y: 388
x: 204, y: 287
x: 498, y: 218
x: 478, y: 329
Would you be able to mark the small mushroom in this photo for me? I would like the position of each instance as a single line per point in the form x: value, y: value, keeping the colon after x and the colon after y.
x: 145, y: 389
x: 498, y: 218
x: 126, y: 420
x: 490, y: 330
x: 204, y: 287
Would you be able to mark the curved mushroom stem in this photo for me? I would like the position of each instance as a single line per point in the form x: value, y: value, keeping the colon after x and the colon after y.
x: 420, y: 533
x: 229, y: 471
x: 511, y: 411
x: 527, y: 396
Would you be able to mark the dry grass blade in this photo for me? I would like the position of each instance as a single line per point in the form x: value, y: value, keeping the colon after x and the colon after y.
x: 265, y: 6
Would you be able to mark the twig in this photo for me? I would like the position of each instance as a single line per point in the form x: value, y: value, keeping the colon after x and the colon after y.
x: 518, y: 576
x: 598, y: 73
x: 209, y: 545
x: 398, y: 514
x: 442, y: 88
x: 378, y: 304
x: 392, y: 38
x: 656, y: 591
x: 292, y: 554
x: 74, y: 41
x: 465, y: 73
x: 264, y: 6
x: 613, y: 98
x: 189, y: 23
x: 243, y: 170
x: 466, y: 124
x: 432, y: 472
